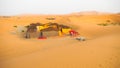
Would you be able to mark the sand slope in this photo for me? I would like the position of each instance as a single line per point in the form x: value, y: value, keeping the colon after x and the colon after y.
x: 101, y: 50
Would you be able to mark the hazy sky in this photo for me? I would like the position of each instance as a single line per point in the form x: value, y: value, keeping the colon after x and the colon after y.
x: 14, y: 7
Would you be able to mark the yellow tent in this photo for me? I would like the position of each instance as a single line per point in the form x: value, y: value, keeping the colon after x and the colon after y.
x: 41, y: 27
x: 66, y: 30
x: 60, y: 33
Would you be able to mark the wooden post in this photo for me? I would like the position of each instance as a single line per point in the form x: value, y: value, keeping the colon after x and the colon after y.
x: 27, y: 35
x: 41, y: 34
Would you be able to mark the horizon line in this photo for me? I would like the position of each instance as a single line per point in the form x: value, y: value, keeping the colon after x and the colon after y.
x: 60, y: 13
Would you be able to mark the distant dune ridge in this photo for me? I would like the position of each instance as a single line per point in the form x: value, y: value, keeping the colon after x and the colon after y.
x: 81, y: 13
x: 100, y: 50
x: 91, y: 13
x: 74, y: 13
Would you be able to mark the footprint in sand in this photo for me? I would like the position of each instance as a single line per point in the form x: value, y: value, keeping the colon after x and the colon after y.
x: 100, y: 65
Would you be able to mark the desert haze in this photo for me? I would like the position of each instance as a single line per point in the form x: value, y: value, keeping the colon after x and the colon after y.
x: 100, y: 50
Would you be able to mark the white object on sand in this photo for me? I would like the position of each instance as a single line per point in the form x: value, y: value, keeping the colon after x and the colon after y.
x: 19, y: 29
x: 80, y: 38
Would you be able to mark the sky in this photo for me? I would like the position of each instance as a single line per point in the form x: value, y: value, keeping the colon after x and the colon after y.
x: 17, y: 7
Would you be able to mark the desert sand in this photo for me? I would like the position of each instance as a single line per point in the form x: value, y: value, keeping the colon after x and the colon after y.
x: 100, y: 50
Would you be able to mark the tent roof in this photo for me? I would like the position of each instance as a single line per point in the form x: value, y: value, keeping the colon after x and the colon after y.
x: 50, y: 29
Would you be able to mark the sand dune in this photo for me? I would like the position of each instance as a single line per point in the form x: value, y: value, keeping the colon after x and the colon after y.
x: 91, y: 13
x: 100, y: 50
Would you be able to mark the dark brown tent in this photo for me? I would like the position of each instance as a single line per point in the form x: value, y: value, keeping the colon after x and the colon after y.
x: 50, y: 32
x: 32, y: 30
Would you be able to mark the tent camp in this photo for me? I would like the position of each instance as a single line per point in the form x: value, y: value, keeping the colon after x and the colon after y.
x: 35, y: 30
